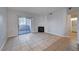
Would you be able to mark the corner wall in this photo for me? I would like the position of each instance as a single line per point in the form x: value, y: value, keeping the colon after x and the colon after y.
x: 13, y: 21
x: 55, y: 23
x: 3, y: 26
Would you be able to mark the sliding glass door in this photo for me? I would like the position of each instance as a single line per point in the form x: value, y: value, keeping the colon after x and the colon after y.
x: 24, y: 25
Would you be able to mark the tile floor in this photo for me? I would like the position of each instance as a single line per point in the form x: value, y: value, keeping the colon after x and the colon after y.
x: 37, y: 42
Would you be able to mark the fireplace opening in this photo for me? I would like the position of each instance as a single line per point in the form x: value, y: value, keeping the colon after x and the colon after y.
x: 40, y: 29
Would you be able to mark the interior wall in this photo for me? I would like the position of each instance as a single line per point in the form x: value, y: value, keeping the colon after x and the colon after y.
x: 57, y: 22
x: 68, y: 28
x: 3, y: 26
x: 13, y: 21
x: 40, y: 21
x: 78, y: 29
x: 54, y: 24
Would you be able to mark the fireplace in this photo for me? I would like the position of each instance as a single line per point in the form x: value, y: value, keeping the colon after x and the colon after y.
x: 40, y: 29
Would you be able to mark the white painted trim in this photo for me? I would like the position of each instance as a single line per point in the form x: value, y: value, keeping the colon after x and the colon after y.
x: 12, y: 36
x: 3, y: 45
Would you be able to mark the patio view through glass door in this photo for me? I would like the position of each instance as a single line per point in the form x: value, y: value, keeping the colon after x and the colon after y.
x: 24, y: 25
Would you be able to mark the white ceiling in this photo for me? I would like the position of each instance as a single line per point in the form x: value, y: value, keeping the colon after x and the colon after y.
x: 36, y: 10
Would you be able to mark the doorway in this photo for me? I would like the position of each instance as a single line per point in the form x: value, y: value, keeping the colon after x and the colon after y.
x: 24, y: 26
x: 74, y: 24
x: 73, y: 33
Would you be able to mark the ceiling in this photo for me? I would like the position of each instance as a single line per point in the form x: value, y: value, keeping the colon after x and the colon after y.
x: 36, y: 10
x: 74, y: 12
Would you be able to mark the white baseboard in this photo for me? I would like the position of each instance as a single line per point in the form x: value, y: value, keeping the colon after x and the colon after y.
x: 12, y: 36
x: 3, y: 45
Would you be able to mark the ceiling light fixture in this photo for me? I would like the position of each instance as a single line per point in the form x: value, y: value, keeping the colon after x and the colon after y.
x: 74, y: 19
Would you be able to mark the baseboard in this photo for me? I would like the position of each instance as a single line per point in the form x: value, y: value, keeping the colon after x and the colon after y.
x: 3, y: 45
x: 12, y: 36
x: 62, y: 35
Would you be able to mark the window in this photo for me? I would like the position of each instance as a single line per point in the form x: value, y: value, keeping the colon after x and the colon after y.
x: 24, y: 25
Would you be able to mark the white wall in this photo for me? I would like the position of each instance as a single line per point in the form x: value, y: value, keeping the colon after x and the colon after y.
x: 54, y: 24
x: 3, y: 26
x: 68, y: 27
x: 40, y: 21
x: 57, y: 22
x: 78, y: 30
x: 13, y: 21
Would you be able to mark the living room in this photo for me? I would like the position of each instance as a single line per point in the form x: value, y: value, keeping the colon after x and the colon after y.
x: 51, y: 20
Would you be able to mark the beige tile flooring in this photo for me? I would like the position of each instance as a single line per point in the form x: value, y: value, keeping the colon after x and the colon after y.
x: 37, y: 42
